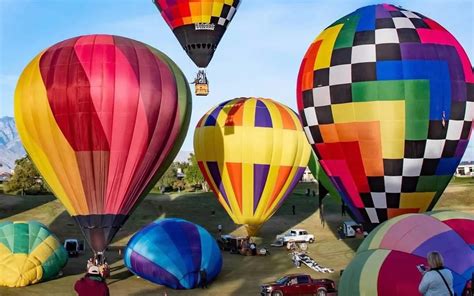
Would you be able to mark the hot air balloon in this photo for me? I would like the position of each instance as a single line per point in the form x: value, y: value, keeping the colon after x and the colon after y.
x: 386, y: 99
x: 199, y: 26
x: 29, y: 253
x: 252, y: 153
x: 101, y: 117
x: 172, y: 252
x: 391, y: 252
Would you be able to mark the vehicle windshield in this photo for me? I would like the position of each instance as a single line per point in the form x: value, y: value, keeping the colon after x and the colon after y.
x: 71, y: 246
x: 282, y: 281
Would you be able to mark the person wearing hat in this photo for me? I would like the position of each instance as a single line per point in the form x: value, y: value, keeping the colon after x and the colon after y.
x: 92, y: 284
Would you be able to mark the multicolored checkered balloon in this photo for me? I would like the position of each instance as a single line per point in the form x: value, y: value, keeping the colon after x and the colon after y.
x: 386, y: 96
x: 252, y: 152
x: 198, y: 24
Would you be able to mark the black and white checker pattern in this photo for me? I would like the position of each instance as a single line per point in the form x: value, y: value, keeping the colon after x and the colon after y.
x: 227, y: 13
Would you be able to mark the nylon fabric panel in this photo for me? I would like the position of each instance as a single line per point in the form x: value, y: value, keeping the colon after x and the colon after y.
x: 182, y: 123
x: 454, y: 249
x: 68, y: 91
x: 208, y: 249
x: 235, y: 175
x: 376, y: 239
x: 351, y: 279
x: 371, y: 269
x: 318, y: 172
x: 146, y: 269
x: 421, y: 228
x: 161, y: 245
x: 128, y: 145
x: 156, y: 82
x: 398, y: 267
x: 300, y: 159
x: 186, y: 235
x: 39, y: 133
x: 462, y: 227
x: 205, y: 171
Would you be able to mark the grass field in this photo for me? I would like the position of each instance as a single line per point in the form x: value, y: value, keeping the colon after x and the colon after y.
x: 240, y: 275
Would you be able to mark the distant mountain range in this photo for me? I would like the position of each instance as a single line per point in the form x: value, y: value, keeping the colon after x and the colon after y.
x: 11, y: 148
x: 10, y: 145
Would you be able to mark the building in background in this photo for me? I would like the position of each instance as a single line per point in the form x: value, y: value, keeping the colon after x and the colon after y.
x: 465, y: 169
x: 4, y: 177
x: 308, y: 176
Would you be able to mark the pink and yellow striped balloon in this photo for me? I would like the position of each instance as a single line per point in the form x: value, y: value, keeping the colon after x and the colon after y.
x: 101, y: 117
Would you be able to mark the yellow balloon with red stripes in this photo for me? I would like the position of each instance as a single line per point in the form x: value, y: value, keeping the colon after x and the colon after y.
x: 252, y: 152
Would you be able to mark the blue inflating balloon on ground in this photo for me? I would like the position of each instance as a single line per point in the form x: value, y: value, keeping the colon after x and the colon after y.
x: 171, y: 252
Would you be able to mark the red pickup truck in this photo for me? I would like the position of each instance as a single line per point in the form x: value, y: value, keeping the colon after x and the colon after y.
x: 299, y: 284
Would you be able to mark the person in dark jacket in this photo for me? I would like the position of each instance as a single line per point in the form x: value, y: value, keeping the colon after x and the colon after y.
x: 203, y: 279
x: 92, y: 284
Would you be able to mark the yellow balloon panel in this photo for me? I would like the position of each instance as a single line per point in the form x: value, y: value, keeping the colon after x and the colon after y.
x: 39, y: 132
x: 252, y: 153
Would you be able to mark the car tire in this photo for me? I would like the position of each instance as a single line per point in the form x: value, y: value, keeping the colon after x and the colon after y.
x: 321, y: 292
x: 277, y: 293
x: 311, y: 241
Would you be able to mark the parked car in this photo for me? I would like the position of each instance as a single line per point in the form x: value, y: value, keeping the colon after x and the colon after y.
x: 351, y: 228
x: 295, y: 235
x: 230, y: 243
x: 73, y: 247
x: 299, y: 284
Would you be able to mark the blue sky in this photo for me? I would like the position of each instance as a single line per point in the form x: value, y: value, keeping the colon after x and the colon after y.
x: 259, y: 55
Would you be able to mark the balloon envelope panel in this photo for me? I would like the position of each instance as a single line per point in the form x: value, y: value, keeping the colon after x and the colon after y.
x: 386, y: 97
x: 172, y: 252
x: 252, y: 152
x: 29, y: 253
x: 198, y: 25
x: 323, y: 179
x: 392, y: 250
x: 101, y: 117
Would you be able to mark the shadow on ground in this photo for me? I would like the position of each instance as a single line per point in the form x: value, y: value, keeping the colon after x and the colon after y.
x: 240, y: 275
x: 14, y: 204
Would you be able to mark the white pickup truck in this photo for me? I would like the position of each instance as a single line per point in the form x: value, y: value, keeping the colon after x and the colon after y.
x: 295, y: 235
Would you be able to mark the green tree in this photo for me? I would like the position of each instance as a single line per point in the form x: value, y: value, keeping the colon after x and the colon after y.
x: 25, y: 178
x: 168, y: 179
x: 193, y: 174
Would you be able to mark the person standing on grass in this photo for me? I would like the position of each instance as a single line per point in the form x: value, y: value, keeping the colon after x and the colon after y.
x: 203, y: 279
x: 92, y: 284
x: 437, y: 281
